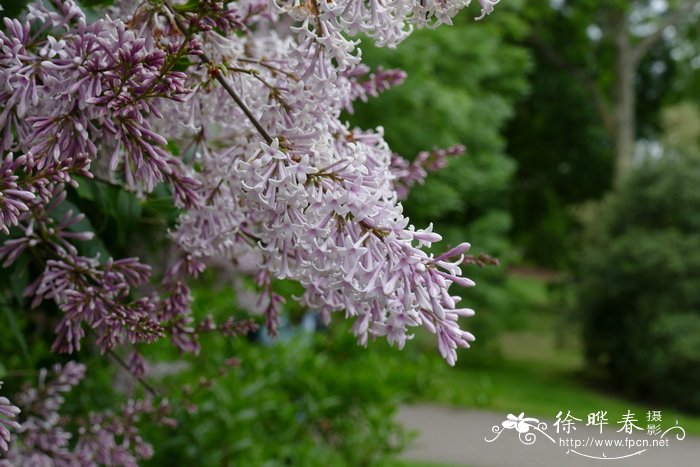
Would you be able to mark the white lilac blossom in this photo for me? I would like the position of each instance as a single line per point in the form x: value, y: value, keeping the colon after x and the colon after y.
x: 318, y: 203
x: 387, y: 22
x: 486, y: 8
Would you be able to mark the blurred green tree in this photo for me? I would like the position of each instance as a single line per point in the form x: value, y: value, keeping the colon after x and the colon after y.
x: 603, y: 72
x: 637, y: 283
x: 609, y: 55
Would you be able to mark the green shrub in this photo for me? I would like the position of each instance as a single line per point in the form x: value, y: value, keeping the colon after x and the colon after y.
x: 314, y: 400
x: 305, y: 398
x: 638, y: 284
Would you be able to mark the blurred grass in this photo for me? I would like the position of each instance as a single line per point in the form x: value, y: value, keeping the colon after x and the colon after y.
x: 538, y: 369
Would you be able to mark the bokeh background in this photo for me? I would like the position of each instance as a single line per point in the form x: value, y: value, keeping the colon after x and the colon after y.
x: 582, y: 176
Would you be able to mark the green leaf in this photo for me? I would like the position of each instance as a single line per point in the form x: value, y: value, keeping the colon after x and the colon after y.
x: 16, y: 331
x: 128, y: 207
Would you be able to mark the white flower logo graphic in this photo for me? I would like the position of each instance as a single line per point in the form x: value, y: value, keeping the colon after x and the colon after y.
x: 520, y: 423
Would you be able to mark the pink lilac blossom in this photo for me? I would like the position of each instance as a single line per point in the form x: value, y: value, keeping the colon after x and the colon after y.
x: 102, y: 438
x: 97, y: 295
x: 13, y: 199
x: 82, y: 82
x: 270, y: 302
x: 87, y: 291
x: 365, y: 84
x: 407, y: 174
x: 78, y: 101
x: 174, y: 311
x: 8, y: 413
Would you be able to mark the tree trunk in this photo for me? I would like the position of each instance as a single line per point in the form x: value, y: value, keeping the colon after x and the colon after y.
x: 624, y: 134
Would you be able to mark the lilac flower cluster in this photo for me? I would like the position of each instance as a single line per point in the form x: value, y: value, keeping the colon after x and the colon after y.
x: 309, y: 198
x: 318, y: 204
x: 43, y: 439
x: 13, y: 199
x: 388, y: 23
x: 8, y: 413
x: 269, y: 179
x: 373, y: 83
x: 174, y: 311
x: 78, y: 99
x: 73, y: 85
x: 413, y: 173
x: 98, y: 295
x: 102, y: 438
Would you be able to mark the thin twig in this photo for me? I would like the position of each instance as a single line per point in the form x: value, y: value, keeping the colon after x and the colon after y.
x: 204, y: 59
x: 143, y: 382
x: 124, y: 365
